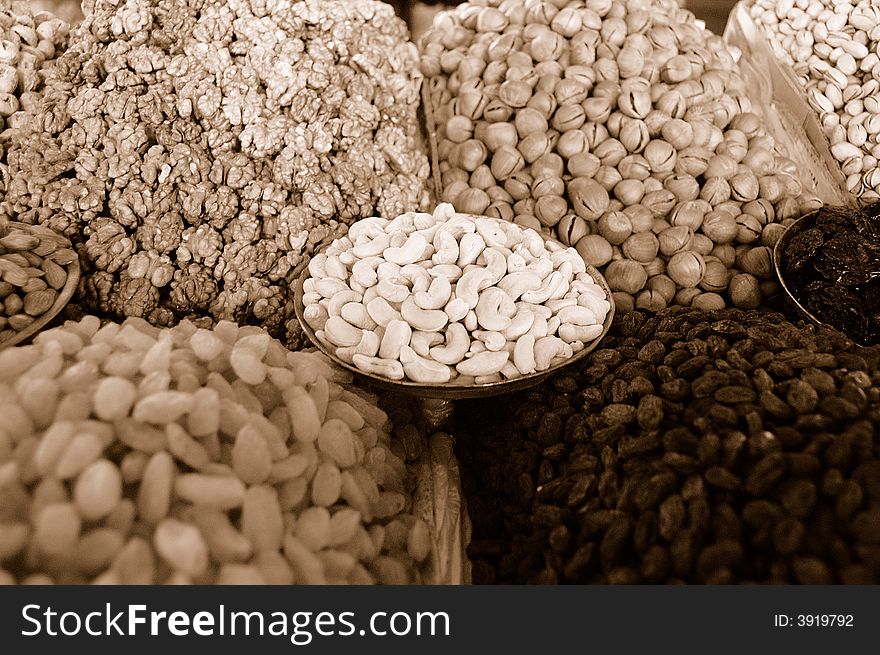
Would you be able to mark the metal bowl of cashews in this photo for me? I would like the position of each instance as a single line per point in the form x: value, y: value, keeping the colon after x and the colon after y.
x: 448, y: 306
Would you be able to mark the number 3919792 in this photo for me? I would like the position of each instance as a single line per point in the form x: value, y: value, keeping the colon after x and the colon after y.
x: 813, y: 620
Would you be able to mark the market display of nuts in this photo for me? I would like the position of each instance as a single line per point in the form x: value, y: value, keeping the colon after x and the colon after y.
x: 832, y: 49
x: 132, y: 454
x: 692, y: 447
x: 450, y: 297
x: 644, y: 116
x: 33, y: 271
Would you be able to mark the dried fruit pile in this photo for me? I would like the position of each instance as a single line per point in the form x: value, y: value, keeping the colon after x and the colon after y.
x: 720, y: 447
x: 130, y: 454
x: 832, y: 267
x: 195, y: 151
x: 623, y: 126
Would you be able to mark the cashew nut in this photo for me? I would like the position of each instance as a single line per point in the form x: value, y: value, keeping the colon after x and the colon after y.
x: 420, y: 369
x: 367, y: 227
x: 388, y: 270
x: 457, y: 344
x: 330, y: 286
x: 577, y: 315
x: 437, y: 295
x: 403, y: 222
x: 572, y: 257
x: 494, y: 309
x: 468, y: 286
x: 417, y: 276
x: 369, y: 295
x: 381, y: 312
x: 523, y: 251
x: 484, y: 363
x: 552, y: 286
x: 556, y: 305
x: 363, y: 271
x: 520, y: 324
x: 583, y: 333
x: 470, y: 321
x: 539, y: 328
x: 397, y: 335
x: 346, y: 354
x: 476, y: 347
x: 316, y: 267
x: 340, y: 298
x: 458, y: 225
x: 534, y: 242
x: 524, y: 354
x: 422, y: 342
x: 356, y: 314
x: 427, y: 320
x: 389, y: 368
x: 393, y: 290
x: 409, y: 253
x: 371, y: 246
x: 517, y: 283
x: 450, y: 271
x: 316, y: 316
x: 496, y: 266
x: 342, y: 333
x: 540, y: 267
x: 553, y: 324
x: 348, y: 258
x: 510, y: 371
x: 424, y: 221
x: 456, y: 309
x: 514, y: 234
x: 492, y: 340
x: 369, y: 344
x: 309, y: 285
x: 311, y: 298
x: 599, y: 306
x: 469, y: 249
x: 537, y: 310
x: 335, y: 268
x: 491, y: 231
x: 547, y: 348
x: 446, y: 248
x: 487, y: 379
x: 516, y: 262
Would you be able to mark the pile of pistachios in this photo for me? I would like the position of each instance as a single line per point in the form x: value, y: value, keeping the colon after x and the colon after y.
x: 623, y: 126
x: 832, y: 48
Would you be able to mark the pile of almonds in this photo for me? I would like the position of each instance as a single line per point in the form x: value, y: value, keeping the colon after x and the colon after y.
x: 697, y: 447
x: 33, y: 271
x: 130, y: 454
x: 832, y: 48
x: 623, y: 126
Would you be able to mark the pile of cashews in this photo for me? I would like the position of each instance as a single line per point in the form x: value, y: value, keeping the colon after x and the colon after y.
x: 450, y: 297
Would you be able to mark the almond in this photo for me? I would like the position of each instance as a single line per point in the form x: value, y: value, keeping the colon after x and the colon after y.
x: 37, y: 303
x: 20, y: 321
x: 56, y: 276
x: 34, y: 284
x: 63, y: 256
x: 18, y: 241
x: 15, y: 258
